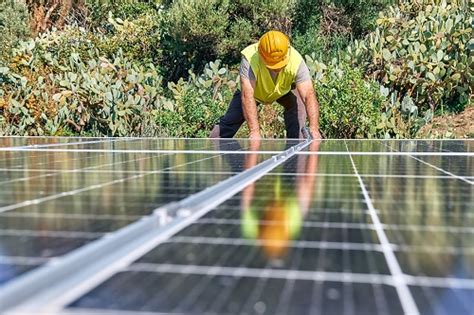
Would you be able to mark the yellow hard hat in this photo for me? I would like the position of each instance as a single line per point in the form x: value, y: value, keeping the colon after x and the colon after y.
x: 274, y: 232
x: 273, y: 48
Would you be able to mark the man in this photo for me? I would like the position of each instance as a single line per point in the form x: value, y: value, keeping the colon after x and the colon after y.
x: 271, y: 70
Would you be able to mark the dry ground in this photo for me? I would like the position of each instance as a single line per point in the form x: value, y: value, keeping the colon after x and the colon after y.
x: 450, y: 126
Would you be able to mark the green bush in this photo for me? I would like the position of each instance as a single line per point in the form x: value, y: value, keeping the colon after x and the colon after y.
x: 99, y: 96
x: 76, y: 82
x: 13, y: 25
x: 195, y: 32
x: 128, y: 9
x: 363, y: 14
x: 192, y: 32
x: 250, y: 19
x: 312, y: 41
x: 124, y: 9
x: 119, y: 74
x: 197, y: 102
x: 350, y: 107
x: 326, y: 27
x: 139, y: 39
x: 94, y: 96
x: 265, y: 15
x: 422, y: 51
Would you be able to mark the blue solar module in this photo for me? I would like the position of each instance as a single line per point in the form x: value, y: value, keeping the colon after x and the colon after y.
x: 206, y: 226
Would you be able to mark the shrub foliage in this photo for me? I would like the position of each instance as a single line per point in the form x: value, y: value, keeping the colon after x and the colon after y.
x: 142, y: 67
x: 13, y: 25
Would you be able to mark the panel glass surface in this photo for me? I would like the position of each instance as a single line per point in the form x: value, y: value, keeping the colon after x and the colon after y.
x: 151, y: 145
x: 458, y: 165
x: 433, y: 300
x: 315, y: 235
x: 390, y: 165
x: 52, y: 203
x: 392, y: 146
x: 431, y: 145
x: 430, y: 221
x: 253, y: 235
x: 295, y: 225
x: 202, y: 294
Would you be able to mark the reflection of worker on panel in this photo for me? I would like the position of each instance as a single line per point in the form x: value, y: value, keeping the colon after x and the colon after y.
x: 276, y: 219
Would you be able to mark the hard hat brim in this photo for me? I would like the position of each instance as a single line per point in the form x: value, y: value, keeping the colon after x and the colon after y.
x: 277, y: 65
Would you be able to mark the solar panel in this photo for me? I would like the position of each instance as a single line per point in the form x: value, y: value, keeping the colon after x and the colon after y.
x: 206, y: 226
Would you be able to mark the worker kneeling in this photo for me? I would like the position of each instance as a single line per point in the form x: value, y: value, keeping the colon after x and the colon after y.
x: 271, y: 70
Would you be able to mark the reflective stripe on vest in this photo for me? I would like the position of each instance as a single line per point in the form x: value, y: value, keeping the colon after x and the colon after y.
x: 266, y: 91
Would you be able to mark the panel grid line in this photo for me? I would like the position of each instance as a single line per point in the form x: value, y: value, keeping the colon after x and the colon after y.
x: 351, y: 225
x: 21, y: 170
x: 444, y: 171
x: 293, y: 274
x: 313, y: 224
x: 406, y: 298
x: 50, y: 233
x: 294, y: 244
x: 134, y: 151
x: 93, y: 169
x: 321, y: 245
x: 88, y: 188
x: 49, y: 145
x: 433, y: 166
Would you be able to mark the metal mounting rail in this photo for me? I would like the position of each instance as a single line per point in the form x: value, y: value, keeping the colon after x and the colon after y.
x: 50, y: 288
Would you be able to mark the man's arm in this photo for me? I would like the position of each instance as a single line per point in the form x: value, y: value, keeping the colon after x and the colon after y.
x: 306, y: 184
x: 250, y: 161
x: 249, y: 107
x: 307, y: 94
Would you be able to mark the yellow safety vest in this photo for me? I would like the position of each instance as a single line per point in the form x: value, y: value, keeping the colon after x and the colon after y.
x: 266, y: 91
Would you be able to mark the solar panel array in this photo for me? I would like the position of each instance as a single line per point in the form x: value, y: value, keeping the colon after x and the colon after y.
x: 206, y: 226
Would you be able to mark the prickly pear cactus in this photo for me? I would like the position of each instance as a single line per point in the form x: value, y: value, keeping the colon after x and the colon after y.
x: 422, y: 50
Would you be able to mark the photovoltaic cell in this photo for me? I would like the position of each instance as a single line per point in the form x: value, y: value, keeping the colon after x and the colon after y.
x: 344, y: 227
x: 190, y: 294
x: 60, y: 202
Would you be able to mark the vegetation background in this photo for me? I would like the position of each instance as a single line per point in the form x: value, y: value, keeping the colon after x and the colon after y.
x: 169, y: 68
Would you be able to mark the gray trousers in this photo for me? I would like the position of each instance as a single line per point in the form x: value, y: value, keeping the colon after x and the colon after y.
x: 294, y: 114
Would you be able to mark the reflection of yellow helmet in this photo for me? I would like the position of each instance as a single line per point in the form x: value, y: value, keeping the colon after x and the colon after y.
x: 274, y: 230
x: 279, y: 222
x: 273, y: 48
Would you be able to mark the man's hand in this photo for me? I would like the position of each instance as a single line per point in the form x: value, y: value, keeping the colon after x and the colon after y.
x: 315, y: 133
x: 255, y: 135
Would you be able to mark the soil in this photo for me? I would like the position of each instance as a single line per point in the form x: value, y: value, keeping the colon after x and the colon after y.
x: 450, y: 126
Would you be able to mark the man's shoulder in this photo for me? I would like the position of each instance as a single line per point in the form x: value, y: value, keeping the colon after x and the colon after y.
x: 296, y: 53
x: 250, y: 49
x: 246, y: 70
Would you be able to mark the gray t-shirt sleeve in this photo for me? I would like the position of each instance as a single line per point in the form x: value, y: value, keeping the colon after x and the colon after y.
x: 245, y: 70
x: 303, y: 73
